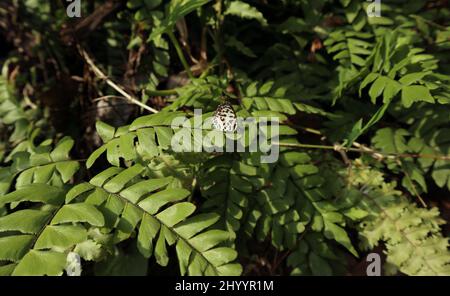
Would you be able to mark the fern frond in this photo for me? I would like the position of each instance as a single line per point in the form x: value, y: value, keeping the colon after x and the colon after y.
x: 41, y: 165
x: 226, y: 186
x: 37, y: 240
x: 161, y: 216
x: 245, y: 11
x: 21, y: 123
x: 176, y: 10
x: 316, y: 256
x: 412, y: 235
x: 349, y: 48
x: 408, y: 71
x: 432, y: 145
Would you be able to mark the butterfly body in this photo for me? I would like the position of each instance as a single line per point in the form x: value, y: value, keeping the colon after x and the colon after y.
x: 224, y: 118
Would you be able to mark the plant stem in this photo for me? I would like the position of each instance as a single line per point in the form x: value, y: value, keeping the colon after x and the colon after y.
x: 180, y: 54
x: 120, y: 90
x: 162, y: 93
x: 217, y: 37
x: 376, y: 154
x: 301, y: 145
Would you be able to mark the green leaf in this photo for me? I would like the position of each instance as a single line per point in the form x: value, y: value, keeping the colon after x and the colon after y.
x: 164, y: 135
x: 105, y: 131
x: 102, y: 177
x: 41, y: 263
x: 62, y: 149
x: 94, y: 155
x: 176, y: 213
x: 233, y: 269
x: 60, y: 236
x: 25, y: 221
x: 129, y: 219
x: 13, y: 248
x: 368, y: 79
x: 153, y: 203
x: 192, y: 226
x: 77, y: 190
x: 245, y: 11
x: 147, y: 232
x: 333, y: 231
x: 147, y: 142
x: 209, y: 239
x: 161, y: 255
x: 177, y: 10
x: 35, y: 193
x: 377, y: 88
x: 411, y: 78
x: 358, y: 130
x: 415, y: 93
x: 220, y: 256
x: 6, y: 270
x: 79, y: 212
x: 390, y: 140
x: 118, y: 182
x: 184, y: 254
x: 441, y: 173
x: 136, y: 191
x: 67, y: 169
x: 391, y: 90
x: 126, y: 146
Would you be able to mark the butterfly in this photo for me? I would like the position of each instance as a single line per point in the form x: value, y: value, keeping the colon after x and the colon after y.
x: 224, y: 118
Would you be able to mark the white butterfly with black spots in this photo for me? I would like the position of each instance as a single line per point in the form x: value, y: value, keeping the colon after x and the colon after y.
x: 224, y: 118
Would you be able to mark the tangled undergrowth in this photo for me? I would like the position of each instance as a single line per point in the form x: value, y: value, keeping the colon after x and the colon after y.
x: 90, y: 184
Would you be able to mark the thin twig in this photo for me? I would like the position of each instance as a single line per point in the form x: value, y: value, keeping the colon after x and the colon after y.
x: 181, y: 55
x: 120, y: 90
x: 363, y: 149
x: 218, y: 33
x: 105, y: 98
x: 343, y: 154
x: 378, y: 155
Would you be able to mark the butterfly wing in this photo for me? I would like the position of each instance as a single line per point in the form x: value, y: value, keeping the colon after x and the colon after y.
x: 224, y: 118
